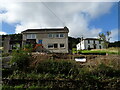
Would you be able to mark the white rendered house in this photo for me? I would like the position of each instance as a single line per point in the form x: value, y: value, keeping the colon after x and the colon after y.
x: 90, y: 43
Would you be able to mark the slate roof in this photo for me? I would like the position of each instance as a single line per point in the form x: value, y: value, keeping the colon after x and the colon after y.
x: 65, y: 29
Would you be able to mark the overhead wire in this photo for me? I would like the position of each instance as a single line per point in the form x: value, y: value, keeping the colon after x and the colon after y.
x: 53, y: 13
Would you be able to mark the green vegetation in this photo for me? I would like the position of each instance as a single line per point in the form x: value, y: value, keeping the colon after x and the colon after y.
x: 67, y: 74
x: 20, y: 59
x: 105, y: 37
x: 59, y: 74
x: 109, y: 51
x: 5, y: 54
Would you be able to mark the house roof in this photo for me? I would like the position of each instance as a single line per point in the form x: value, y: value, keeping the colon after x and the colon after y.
x: 91, y: 39
x: 65, y: 29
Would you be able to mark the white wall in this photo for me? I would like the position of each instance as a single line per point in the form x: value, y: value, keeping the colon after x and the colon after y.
x: 84, y: 44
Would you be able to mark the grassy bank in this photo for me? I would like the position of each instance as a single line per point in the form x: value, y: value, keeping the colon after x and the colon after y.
x: 31, y: 72
x: 64, y: 74
x: 108, y: 51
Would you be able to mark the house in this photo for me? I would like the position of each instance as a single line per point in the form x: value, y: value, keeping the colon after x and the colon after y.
x: 48, y: 39
x: 90, y: 43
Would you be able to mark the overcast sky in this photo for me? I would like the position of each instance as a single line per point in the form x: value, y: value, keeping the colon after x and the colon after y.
x: 82, y: 18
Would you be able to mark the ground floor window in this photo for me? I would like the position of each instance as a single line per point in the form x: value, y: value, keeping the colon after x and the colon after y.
x: 50, y: 45
x: 55, y: 45
x: 62, y: 45
x: 88, y: 46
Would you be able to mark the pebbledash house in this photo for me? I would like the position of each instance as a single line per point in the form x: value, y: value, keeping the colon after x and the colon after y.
x: 48, y: 39
x: 90, y: 43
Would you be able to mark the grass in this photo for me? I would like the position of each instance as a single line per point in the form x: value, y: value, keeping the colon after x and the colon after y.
x: 101, y: 72
x: 109, y: 51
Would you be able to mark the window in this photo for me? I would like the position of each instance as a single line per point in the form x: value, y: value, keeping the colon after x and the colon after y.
x: 88, y: 46
x: 88, y: 41
x: 50, y: 35
x: 57, y: 35
x: 100, y: 47
x: 99, y: 42
x: 50, y: 45
x: 61, y: 35
x: 55, y: 45
x: 28, y: 36
x: 31, y: 36
x: 62, y: 46
x: 94, y: 41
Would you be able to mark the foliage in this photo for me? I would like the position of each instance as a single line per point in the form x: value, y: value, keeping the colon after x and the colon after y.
x: 108, y: 50
x: 20, y: 59
x: 57, y: 67
x: 105, y: 38
x: 5, y: 54
x: 104, y: 70
x: 72, y: 42
x: 19, y: 86
x: 6, y: 72
x: 74, y: 50
x: 4, y: 87
x: 101, y: 77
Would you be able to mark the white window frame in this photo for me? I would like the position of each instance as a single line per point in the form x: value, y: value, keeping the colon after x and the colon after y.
x: 31, y: 36
x: 56, y: 35
x: 62, y: 34
x: 50, y: 36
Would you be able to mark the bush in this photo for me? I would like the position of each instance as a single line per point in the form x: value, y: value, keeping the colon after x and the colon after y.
x: 104, y: 70
x: 5, y: 54
x: 57, y: 67
x: 19, y: 86
x: 20, y: 59
x: 5, y: 87
x: 6, y: 72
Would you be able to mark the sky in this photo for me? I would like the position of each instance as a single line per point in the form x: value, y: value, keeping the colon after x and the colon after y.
x: 86, y: 19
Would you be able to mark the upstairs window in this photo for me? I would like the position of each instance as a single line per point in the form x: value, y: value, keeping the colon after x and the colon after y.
x: 50, y: 35
x: 99, y: 42
x: 57, y: 35
x: 88, y: 41
x: 61, y: 35
x: 94, y: 41
x: 31, y: 36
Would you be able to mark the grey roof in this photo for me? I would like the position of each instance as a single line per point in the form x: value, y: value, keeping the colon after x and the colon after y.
x: 91, y: 39
x: 65, y: 29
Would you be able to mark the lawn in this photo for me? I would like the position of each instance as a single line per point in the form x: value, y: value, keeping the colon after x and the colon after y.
x: 109, y: 51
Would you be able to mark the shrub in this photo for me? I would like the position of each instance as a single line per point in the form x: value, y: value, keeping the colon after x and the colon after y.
x: 4, y: 87
x: 57, y: 67
x: 19, y: 86
x: 5, y: 54
x: 107, y: 71
x: 20, y: 59
x: 6, y: 72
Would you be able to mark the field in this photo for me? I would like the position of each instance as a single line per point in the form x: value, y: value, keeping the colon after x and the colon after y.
x: 39, y: 70
x: 99, y: 51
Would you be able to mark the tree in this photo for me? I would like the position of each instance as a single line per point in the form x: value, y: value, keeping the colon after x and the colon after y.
x: 105, y: 37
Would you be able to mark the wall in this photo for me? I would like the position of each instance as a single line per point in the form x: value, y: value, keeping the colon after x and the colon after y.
x: 46, y: 40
